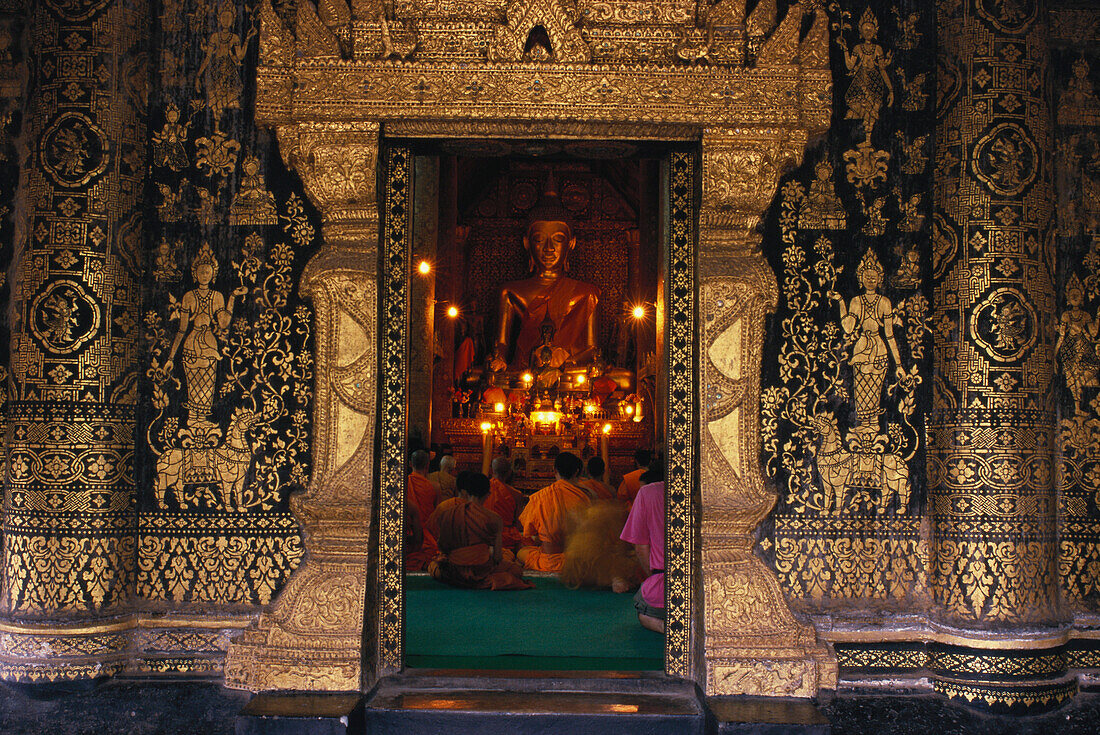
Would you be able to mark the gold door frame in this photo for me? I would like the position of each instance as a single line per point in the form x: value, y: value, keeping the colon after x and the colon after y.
x: 679, y: 363
x: 328, y: 87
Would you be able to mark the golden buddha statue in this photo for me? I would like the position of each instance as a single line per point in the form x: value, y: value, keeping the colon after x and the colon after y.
x: 548, y: 294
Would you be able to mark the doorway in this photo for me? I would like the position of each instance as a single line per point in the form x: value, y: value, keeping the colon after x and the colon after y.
x: 452, y: 218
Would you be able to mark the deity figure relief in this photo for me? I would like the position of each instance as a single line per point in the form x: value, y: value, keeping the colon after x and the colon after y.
x: 908, y: 273
x: 253, y: 205
x: 822, y: 209
x: 1078, y: 105
x: 220, y: 70
x: 870, y: 85
x: 171, y: 208
x: 169, y: 144
x: 203, y: 315
x: 868, y: 318
x: 548, y: 294
x: 1076, y: 343
x: 60, y: 319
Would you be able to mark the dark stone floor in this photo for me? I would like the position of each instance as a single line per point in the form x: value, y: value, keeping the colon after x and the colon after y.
x: 128, y: 708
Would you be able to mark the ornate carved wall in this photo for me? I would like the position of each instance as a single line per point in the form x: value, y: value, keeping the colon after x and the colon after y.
x: 176, y: 370
x: 844, y: 404
x: 225, y: 433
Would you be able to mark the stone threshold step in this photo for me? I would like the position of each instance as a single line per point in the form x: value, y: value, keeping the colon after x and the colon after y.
x: 488, y: 712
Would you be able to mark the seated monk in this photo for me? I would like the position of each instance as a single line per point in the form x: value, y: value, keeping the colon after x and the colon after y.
x: 631, y: 483
x: 549, y: 515
x: 421, y: 496
x: 443, y: 479
x: 505, y: 501
x: 469, y: 538
x: 594, y: 482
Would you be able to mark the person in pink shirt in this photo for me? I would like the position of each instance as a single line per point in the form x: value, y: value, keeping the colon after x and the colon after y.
x: 645, y: 528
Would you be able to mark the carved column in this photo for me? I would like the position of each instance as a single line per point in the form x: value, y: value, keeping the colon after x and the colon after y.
x: 69, y: 521
x: 994, y: 574
x: 313, y: 638
x: 754, y: 646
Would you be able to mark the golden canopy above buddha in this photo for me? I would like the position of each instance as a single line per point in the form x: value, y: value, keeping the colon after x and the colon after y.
x: 548, y: 294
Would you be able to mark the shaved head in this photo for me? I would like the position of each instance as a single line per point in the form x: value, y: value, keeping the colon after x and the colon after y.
x: 448, y: 464
x: 419, y: 460
x: 502, y: 467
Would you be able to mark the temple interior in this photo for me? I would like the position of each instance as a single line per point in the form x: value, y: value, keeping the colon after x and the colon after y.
x: 479, y: 389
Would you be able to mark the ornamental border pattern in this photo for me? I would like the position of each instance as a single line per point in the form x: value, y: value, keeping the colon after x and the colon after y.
x: 394, y: 372
x: 681, y: 473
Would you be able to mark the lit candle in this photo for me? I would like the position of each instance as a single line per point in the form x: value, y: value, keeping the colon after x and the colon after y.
x: 605, y: 450
x: 486, y: 447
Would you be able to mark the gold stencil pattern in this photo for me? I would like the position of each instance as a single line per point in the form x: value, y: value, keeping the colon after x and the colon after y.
x: 990, y: 450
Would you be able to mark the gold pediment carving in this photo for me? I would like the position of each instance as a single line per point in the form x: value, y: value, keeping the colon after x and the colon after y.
x: 519, y: 36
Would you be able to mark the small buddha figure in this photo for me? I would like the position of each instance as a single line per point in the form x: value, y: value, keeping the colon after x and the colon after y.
x: 822, y: 208
x: 546, y: 360
x: 164, y: 266
x: 601, y: 385
x: 253, y: 205
x: 548, y: 294
x: 492, y: 394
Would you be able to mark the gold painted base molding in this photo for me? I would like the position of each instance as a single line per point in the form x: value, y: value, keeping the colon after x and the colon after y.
x: 761, y: 650
x: 146, y: 646
x: 309, y: 643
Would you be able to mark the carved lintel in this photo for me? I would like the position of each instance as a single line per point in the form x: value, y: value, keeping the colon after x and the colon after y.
x: 741, y: 168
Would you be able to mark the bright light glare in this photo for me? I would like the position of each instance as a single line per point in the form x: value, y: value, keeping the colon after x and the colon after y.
x: 452, y: 311
x: 498, y: 407
x: 527, y: 377
x: 607, y: 428
x: 639, y: 312
x: 425, y: 267
x: 485, y: 426
x: 580, y: 380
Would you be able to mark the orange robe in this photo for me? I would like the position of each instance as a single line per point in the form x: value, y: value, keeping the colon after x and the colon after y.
x: 548, y: 516
x: 631, y: 484
x: 467, y: 534
x: 502, y: 500
x: 601, y: 490
x: 421, y: 494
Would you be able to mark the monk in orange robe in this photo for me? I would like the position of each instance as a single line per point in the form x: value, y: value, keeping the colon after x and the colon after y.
x: 469, y: 537
x: 421, y: 495
x: 632, y: 481
x: 505, y: 501
x: 550, y: 514
x: 594, y: 482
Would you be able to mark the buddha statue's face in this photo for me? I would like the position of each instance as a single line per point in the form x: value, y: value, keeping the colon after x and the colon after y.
x: 549, y: 243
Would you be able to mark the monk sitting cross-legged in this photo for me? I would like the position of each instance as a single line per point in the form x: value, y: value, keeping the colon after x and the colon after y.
x: 469, y: 537
x: 549, y: 515
x: 504, y: 500
x: 420, y: 494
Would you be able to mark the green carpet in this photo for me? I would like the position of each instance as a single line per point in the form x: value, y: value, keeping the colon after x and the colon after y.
x: 549, y: 628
